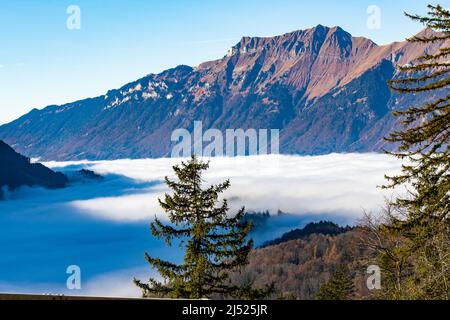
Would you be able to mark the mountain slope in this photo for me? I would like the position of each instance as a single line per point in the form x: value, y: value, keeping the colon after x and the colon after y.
x: 299, y: 267
x: 16, y: 171
x: 324, y: 89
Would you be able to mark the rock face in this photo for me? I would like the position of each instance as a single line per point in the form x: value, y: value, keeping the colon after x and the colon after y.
x: 16, y: 171
x: 324, y: 89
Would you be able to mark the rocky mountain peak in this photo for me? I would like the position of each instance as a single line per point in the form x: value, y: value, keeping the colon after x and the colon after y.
x: 325, y: 89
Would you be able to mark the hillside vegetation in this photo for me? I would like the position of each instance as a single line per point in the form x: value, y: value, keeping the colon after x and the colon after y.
x: 298, y: 268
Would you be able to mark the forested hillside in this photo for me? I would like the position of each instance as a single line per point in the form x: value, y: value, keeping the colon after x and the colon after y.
x: 298, y: 268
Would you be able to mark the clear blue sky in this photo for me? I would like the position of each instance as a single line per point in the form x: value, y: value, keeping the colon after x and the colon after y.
x: 42, y: 62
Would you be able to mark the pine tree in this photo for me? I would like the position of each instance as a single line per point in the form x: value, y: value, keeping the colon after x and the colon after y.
x: 215, y: 244
x: 424, y: 135
x: 339, y: 287
x: 422, y: 217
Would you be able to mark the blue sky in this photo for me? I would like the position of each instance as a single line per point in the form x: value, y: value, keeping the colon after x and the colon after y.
x: 42, y: 62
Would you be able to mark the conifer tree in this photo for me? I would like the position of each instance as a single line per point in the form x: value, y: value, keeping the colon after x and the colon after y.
x: 422, y: 217
x: 339, y: 287
x: 424, y: 135
x: 215, y: 244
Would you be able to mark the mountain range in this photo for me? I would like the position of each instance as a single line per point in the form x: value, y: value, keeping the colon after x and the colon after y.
x: 323, y: 88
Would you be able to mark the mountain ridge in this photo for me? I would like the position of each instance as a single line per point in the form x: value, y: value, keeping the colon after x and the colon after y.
x: 324, y: 89
x: 17, y: 170
x: 326, y: 228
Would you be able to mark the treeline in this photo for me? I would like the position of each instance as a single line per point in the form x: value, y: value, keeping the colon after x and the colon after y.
x: 323, y: 227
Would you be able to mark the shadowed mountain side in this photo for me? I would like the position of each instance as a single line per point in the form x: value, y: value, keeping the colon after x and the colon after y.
x: 17, y: 171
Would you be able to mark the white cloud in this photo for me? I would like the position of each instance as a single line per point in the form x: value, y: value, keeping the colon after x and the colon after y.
x: 342, y: 184
x: 138, y: 207
x: 103, y: 226
x: 117, y: 284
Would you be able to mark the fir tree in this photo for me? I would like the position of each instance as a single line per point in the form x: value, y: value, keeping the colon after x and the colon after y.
x: 339, y: 287
x: 215, y: 244
x: 424, y: 135
x: 422, y: 217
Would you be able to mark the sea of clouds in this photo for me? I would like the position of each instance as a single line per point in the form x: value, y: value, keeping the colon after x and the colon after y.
x: 102, y: 226
x: 344, y: 184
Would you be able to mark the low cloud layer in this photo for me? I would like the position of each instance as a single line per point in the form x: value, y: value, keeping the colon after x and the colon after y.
x: 102, y: 226
x: 342, y: 184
